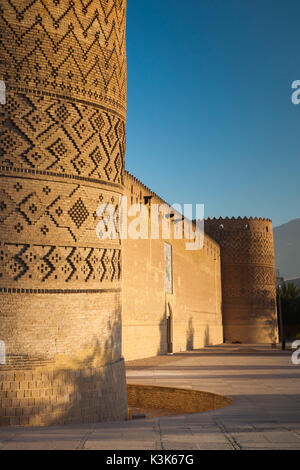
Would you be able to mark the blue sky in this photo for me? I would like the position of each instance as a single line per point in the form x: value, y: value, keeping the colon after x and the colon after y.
x: 210, y: 118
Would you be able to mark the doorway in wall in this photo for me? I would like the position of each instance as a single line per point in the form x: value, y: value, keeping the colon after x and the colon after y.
x: 169, y: 329
x: 168, y: 293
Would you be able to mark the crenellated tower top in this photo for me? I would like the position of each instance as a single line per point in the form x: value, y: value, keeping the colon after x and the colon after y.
x: 253, y: 224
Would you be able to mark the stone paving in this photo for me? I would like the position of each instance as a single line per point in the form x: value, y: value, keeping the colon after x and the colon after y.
x: 265, y: 413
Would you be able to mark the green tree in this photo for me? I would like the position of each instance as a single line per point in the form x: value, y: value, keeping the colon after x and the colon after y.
x: 289, y: 291
x: 290, y: 303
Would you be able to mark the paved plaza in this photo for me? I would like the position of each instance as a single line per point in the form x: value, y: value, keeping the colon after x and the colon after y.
x: 265, y: 414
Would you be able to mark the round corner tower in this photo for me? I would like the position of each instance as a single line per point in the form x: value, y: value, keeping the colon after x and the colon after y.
x: 62, y: 146
x: 248, y: 278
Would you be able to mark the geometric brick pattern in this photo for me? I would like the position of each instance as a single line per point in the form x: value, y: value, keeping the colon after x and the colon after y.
x: 62, y: 150
x: 242, y: 245
x: 34, y: 266
x: 73, y: 48
x: 52, y: 212
x: 248, y: 271
x: 62, y: 137
x: 64, y: 64
x: 61, y: 219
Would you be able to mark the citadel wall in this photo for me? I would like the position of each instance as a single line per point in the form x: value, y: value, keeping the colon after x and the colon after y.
x: 248, y: 278
x: 194, y: 305
x: 62, y: 144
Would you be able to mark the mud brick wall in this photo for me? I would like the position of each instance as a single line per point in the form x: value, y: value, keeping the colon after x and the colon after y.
x: 62, y: 145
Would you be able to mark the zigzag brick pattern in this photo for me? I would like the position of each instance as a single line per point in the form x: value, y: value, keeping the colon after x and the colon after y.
x: 248, y: 278
x: 62, y: 150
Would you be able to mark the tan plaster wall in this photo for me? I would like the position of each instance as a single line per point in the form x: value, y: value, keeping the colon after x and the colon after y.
x: 195, y: 302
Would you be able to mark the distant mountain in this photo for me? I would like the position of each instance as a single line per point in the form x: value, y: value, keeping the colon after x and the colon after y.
x: 294, y: 281
x: 287, y: 249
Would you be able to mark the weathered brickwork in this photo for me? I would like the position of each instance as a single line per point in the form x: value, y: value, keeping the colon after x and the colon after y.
x: 62, y: 145
x: 194, y: 305
x: 248, y: 278
x: 41, y: 396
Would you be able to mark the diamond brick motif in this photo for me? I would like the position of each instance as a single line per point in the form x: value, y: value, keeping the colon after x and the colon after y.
x: 79, y: 213
x: 62, y: 131
x: 73, y: 55
x: 31, y: 208
x: 7, y: 206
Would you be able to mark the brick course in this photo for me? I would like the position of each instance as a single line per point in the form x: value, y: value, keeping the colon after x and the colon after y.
x: 62, y: 145
x: 248, y: 278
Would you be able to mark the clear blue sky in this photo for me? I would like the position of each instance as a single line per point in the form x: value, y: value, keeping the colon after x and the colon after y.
x: 210, y: 117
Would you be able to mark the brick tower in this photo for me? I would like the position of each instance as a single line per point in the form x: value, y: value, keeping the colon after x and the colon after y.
x: 62, y: 144
x: 248, y: 278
